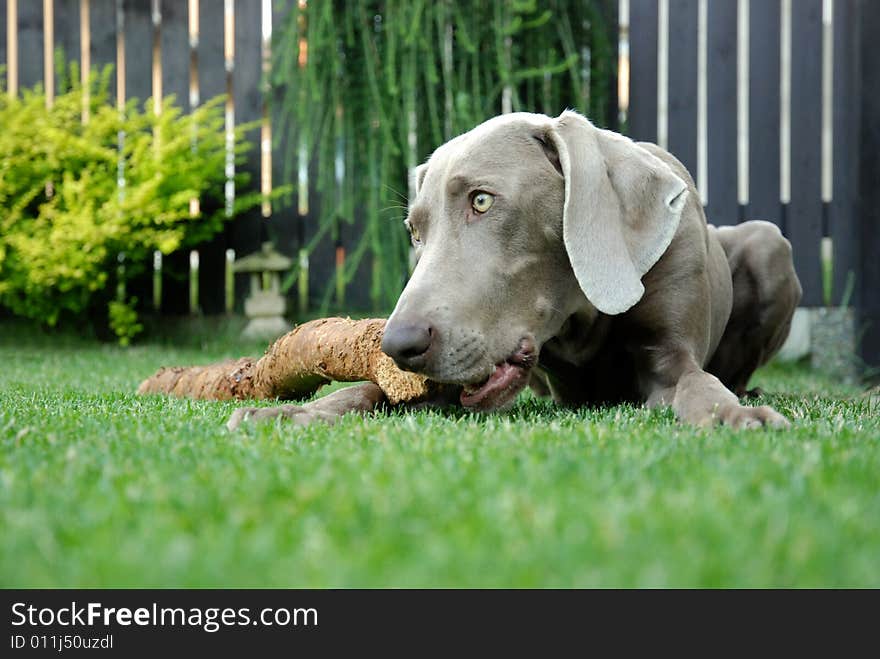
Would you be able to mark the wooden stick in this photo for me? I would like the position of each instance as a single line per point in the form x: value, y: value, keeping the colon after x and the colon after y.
x: 297, y: 365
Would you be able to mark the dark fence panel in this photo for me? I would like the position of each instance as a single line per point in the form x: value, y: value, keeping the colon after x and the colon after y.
x: 283, y: 227
x: 212, y: 76
x: 683, y: 56
x: 102, y: 24
x: 843, y: 219
x: 721, y: 112
x: 764, y: 25
x: 173, y: 41
x: 248, y: 230
x: 642, y: 118
x: 3, y: 10
x: 138, y: 50
x: 175, y: 51
x: 30, y: 43
x: 868, y: 210
x: 804, y: 215
x: 212, y: 82
x: 67, y: 34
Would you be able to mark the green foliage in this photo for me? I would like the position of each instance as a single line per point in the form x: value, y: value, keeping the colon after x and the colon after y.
x: 379, y: 85
x: 124, y: 320
x: 64, y: 218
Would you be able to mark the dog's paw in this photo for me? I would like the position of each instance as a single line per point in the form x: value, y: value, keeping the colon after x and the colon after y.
x: 742, y: 417
x: 300, y: 415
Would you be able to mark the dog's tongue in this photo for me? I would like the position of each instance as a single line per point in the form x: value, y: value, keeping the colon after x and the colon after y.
x: 493, y: 391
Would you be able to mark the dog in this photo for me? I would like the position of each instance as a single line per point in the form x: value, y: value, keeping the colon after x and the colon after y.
x: 561, y: 256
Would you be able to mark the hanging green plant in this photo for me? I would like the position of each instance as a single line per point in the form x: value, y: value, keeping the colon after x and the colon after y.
x: 367, y: 89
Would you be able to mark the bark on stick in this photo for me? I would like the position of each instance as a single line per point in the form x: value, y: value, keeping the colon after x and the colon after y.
x: 296, y: 365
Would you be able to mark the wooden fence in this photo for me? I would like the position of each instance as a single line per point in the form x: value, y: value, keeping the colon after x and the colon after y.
x: 773, y: 105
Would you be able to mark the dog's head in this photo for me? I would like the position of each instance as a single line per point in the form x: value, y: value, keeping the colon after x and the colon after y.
x: 518, y: 224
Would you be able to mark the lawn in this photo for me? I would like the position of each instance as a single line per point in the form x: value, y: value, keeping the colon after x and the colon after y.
x: 99, y: 487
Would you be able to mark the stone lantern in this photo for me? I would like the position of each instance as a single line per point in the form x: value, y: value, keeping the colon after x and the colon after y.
x: 265, y: 306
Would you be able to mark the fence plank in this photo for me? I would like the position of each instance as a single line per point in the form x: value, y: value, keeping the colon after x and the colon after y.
x: 683, y: 82
x: 609, y: 11
x: 30, y: 43
x: 868, y: 213
x: 175, y: 51
x: 764, y: 26
x: 138, y: 50
x: 284, y: 221
x: 67, y: 34
x: 721, y: 112
x: 102, y: 22
x: 804, y: 219
x: 3, y: 43
x: 174, y: 61
x: 843, y: 217
x: 642, y: 117
x: 212, y: 83
x: 248, y: 230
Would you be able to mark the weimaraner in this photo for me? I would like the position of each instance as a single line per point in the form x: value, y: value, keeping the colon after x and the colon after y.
x: 560, y: 255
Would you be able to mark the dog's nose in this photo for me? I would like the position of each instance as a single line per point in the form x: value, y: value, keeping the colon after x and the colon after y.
x: 408, y: 343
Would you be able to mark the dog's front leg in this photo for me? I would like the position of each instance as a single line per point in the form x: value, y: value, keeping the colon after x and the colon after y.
x: 699, y: 398
x: 359, y: 398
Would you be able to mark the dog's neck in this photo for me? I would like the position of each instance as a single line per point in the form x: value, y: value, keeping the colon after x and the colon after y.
x: 576, y: 342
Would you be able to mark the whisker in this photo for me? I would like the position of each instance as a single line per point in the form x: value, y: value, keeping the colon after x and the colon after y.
x: 402, y: 196
x: 394, y: 206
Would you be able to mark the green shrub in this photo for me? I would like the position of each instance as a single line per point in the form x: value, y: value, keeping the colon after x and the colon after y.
x: 64, y: 219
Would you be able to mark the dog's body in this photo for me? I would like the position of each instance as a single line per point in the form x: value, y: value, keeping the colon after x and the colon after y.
x: 556, y: 254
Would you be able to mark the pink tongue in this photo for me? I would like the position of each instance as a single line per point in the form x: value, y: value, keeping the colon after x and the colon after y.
x: 500, y: 378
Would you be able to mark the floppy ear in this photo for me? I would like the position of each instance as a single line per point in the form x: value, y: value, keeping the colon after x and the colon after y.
x: 622, y: 208
x: 417, y: 177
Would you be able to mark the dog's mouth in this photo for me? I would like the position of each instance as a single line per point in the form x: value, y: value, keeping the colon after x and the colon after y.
x: 506, y: 381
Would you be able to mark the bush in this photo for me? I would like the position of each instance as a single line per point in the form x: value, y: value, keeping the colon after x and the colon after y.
x: 64, y: 216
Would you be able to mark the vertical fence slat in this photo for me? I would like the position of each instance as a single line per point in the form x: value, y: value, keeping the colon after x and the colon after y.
x: 247, y: 229
x: 67, y: 35
x: 721, y: 112
x: 3, y: 43
x: 102, y: 22
x: 608, y: 9
x: 683, y: 82
x: 211, y: 73
x: 212, y: 82
x: 138, y: 79
x: 138, y: 46
x: 764, y: 25
x: 283, y: 220
x: 175, y: 51
x: 174, y: 61
x: 843, y: 219
x: 868, y: 210
x: 642, y: 118
x: 804, y: 218
x: 30, y: 43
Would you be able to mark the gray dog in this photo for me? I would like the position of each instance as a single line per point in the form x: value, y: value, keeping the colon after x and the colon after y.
x: 555, y: 254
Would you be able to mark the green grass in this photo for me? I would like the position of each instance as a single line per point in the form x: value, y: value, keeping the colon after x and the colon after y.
x: 99, y: 487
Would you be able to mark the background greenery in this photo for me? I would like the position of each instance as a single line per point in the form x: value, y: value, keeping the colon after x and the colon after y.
x: 71, y: 237
x: 365, y: 90
x: 99, y: 487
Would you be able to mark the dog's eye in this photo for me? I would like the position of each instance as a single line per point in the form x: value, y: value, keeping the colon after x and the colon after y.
x: 413, y: 232
x: 482, y: 202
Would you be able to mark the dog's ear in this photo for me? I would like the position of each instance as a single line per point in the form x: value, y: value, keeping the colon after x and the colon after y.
x: 418, y: 177
x: 622, y: 208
